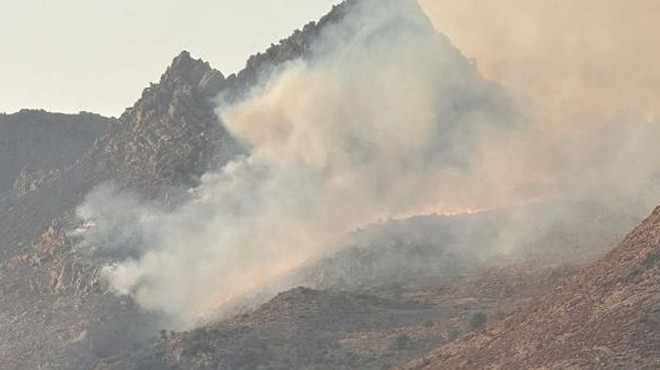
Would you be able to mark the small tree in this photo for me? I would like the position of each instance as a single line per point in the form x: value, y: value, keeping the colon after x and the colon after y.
x: 402, y: 341
x: 478, y: 320
x: 454, y: 333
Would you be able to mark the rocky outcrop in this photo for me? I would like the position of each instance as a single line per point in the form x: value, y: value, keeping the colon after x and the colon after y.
x: 52, y: 297
x: 171, y: 135
x: 31, y: 181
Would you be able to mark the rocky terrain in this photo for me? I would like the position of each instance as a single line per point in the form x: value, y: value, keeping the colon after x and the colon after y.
x: 329, y: 329
x: 160, y: 145
x: 603, y: 317
x: 370, y: 315
x: 55, y: 312
x: 361, y: 307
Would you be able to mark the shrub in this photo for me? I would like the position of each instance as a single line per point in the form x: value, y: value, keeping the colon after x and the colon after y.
x: 478, y: 320
x: 402, y: 341
x: 454, y: 333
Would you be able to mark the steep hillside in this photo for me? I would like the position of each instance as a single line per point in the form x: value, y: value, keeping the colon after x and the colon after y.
x: 605, y: 317
x: 55, y: 314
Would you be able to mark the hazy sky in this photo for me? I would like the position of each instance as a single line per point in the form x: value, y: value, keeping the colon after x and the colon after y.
x: 98, y: 55
x: 583, y: 60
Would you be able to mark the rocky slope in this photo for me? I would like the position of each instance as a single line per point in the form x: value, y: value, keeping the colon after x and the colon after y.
x: 328, y: 329
x: 160, y: 146
x: 605, y: 317
x: 55, y: 314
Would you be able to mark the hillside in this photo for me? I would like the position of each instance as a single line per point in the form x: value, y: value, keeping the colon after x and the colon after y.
x: 513, y: 286
x: 374, y: 328
x: 604, y: 317
x: 36, y: 145
x: 52, y: 295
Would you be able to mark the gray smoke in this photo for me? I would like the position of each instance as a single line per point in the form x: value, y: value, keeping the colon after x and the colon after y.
x: 385, y: 120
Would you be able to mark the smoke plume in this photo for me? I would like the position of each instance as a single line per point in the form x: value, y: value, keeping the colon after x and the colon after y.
x: 582, y: 61
x: 386, y: 119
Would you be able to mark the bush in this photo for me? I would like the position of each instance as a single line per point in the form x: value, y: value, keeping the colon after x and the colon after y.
x: 402, y: 341
x: 454, y: 333
x: 478, y: 320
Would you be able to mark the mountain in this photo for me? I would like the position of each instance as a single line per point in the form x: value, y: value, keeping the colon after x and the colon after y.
x: 606, y: 316
x: 361, y: 307
x: 52, y: 295
x: 162, y: 144
x: 167, y: 139
x: 55, y: 312
x: 36, y: 145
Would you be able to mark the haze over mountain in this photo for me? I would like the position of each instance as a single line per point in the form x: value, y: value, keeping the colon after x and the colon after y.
x: 358, y: 196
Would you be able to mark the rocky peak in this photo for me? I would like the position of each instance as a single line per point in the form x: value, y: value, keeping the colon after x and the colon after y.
x: 195, y: 74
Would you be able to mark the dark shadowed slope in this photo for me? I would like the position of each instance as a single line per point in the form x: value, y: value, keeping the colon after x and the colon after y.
x: 36, y: 145
x: 605, y: 317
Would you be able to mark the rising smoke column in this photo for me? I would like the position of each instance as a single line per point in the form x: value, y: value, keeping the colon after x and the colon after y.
x: 383, y: 120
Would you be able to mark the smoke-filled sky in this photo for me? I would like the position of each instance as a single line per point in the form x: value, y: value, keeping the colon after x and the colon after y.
x: 98, y: 55
x: 589, y: 58
x: 387, y: 119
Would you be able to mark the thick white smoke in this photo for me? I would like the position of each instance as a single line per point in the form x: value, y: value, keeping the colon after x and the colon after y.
x: 386, y: 119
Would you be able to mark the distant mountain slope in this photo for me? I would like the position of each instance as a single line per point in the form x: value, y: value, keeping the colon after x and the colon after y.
x: 35, y: 144
x: 605, y: 317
